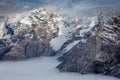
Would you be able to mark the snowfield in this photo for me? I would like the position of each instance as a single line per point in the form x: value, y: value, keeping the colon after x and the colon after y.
x: 43, y: 68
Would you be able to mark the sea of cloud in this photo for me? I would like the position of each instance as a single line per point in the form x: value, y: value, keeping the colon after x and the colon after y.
x: 43, y: 68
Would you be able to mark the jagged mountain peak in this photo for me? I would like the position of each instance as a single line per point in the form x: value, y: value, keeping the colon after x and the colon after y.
x: 62, y: 28
x: 85, y: 45
x: 33, y: 19
x: 39, y: 25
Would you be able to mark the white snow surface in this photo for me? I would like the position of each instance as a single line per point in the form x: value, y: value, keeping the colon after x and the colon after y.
x: 87, y: 23
x: 70, y: 46
x: 65, y: 30
x: 43, y: 68
x: 26, y: 21
x: 24, y: 16
x: 1, y: 28
x: 16, y: 18
x: 56, y: 43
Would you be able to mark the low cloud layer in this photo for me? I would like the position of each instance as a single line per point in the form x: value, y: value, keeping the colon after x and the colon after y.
x: 41, y: 69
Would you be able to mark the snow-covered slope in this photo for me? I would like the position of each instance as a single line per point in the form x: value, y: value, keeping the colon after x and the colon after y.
x: 101, y: 51
x: 66, y: 28
x: 32, y: 20
x: 62, y: 28
x: 74, y: 27
x: 2, y: 24
x: 29, y: 30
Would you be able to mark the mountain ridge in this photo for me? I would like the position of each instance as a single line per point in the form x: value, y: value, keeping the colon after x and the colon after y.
x: 86, y: 45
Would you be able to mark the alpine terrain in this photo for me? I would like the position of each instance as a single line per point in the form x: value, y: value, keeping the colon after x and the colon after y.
x: 85, y: 45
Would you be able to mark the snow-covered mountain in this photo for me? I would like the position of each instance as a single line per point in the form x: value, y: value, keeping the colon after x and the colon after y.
x: 59, y: 28
x: 99, y: 54
x: 85, y: 45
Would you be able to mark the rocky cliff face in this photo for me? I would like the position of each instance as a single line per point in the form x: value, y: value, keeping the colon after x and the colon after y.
x: 28, y: 35
x: 35, y: 33
x: 99, y: 54
x: 86, y: 45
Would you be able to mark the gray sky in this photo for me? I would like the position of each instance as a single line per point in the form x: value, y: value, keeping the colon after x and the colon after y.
x: 11, y: 6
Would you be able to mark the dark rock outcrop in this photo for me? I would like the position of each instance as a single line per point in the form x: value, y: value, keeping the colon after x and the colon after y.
x: 4, y: 48
x: 100, y: 53
x: 25, y: 48
x: 79, y: 58
x: 28, y: 49
x: 28, y: 36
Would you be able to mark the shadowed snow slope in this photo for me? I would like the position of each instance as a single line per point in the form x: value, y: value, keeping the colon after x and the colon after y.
x: 41, y: 69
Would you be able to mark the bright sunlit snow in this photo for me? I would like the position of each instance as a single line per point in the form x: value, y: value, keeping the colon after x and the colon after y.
x: 41, y: 69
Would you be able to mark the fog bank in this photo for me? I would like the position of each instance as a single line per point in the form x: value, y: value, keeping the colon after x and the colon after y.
x: 41, y: 69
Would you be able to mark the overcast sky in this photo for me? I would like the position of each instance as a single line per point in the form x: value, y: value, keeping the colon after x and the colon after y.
x: 8, y: 6
x: 65, y: 3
